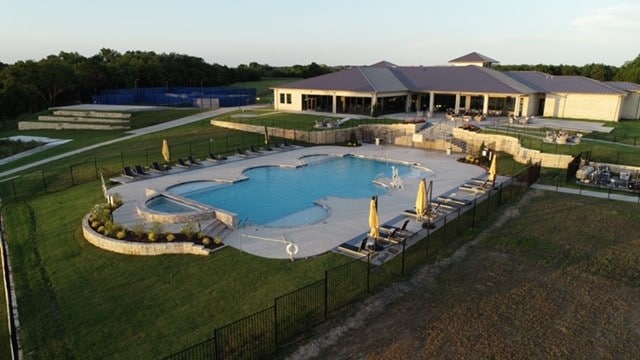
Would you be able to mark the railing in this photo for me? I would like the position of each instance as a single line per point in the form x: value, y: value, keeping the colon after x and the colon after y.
x: 293, y: 314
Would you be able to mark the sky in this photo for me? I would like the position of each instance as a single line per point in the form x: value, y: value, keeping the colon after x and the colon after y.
x: 329, y: 32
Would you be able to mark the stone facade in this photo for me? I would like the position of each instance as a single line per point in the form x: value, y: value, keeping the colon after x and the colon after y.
x: 511, y: 145
x: 132, y: 248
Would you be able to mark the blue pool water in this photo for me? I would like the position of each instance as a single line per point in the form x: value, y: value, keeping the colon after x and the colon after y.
x: 280, y: 196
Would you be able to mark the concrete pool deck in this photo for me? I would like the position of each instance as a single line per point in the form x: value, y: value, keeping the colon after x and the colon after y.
x: 347, y: 219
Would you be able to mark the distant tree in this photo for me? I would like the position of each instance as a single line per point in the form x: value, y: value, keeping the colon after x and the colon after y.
x: 630, y: 71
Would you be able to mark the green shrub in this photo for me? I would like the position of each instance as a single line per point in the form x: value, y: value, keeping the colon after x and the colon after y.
x: 121, y: 234
x: 95, y: 224
x: 152, y: 236
x: 139, y: 230
x: 170, y: 237
x: 101, y: 229
x: 157, y: 228
x: 217, y: 240
x: 188, y: 229
x: 206, y: 241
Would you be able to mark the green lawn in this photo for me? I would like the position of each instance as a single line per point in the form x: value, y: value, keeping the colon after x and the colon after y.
x: 78, y: 301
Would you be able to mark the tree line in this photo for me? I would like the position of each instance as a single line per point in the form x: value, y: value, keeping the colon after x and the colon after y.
x: 31, y: 86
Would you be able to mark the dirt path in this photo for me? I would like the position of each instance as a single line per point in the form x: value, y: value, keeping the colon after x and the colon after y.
x: 390, y: 323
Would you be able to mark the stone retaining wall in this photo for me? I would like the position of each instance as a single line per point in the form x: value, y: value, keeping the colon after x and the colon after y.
x: 36, y: 125
x: 78, y: 119
x: 386, y: 133
x: 95, y: 114
x: 132, y: 248
x: 511, y: 145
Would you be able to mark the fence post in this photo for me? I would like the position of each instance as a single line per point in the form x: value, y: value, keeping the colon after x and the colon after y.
x: 426, y: 251
x: 275, y: 322
x: 326, y: 293
x: 488, y: 201
x: 473, y: 221
x: 404, y: 248
x: 15, y: 196
x: 444, y: 230
x: 73, y: 182
x: 95, y: 167
x: 122, y: 158
x: 146, y: 155
x: 500, y: 195
x: 368, y: 272
x: 44, y: 183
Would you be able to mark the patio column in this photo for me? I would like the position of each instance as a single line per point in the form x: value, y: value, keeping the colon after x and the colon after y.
x: 334, y: 103
x: 516, y: 110
x: 467, y: 102
x: 432, y: 97
x: 374, y: 101
x: 457, y: 108
x: 418, y: 102
x: 485, y: 104
x: 407, y: 104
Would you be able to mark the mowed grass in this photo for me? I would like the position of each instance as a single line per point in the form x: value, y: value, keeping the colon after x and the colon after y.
x: 562, y: 280
x: 78, y: 301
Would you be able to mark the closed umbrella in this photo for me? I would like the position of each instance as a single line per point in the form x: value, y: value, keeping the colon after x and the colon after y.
x: 266, y: 136
x: 373, y: 219
x: 421, y: 199
x: 493, y: 169
x: 165, y: 151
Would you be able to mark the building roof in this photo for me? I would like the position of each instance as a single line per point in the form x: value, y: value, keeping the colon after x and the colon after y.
x: 385, y: 77
x: 624, y: 85
x: 474, y: 57
x: 545, y: 83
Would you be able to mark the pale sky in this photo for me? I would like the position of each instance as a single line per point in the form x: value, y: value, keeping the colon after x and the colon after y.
x: 330, y: 32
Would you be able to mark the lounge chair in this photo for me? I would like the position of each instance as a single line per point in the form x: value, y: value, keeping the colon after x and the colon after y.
x: 253, y: 149
x: 141, y: 171
x: 285, y: 143
x: 390, y: 229
x: 158, y: 167
x: 182, y: 163
x: 277, y: 145
x: 129, y: 172
x: 217, y: 157
x: 241, y: 152
x: 193, y: 161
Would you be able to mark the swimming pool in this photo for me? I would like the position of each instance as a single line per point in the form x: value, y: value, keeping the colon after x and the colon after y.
x: 288, y: 196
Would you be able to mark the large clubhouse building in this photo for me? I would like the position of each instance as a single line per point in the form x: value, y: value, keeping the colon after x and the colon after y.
x: 467, y: 85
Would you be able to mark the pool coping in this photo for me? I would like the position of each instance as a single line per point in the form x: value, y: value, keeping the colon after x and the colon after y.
x: 348, y: 218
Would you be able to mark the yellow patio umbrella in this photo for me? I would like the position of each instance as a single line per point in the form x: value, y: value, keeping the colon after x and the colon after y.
x: 373, y: 219
x: 266, y: 136
x: 421, y: 199
x: 493, y: 169
x: 165, y: 151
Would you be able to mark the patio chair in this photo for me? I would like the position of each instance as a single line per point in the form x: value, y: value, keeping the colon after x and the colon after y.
x: 156, y: 166
x: 182, y: 163
x: 217, y: 157
x: 242, y: 152
x: 141, y: 171
x: 253, y: 149
x: 129, y: 172
x: 193, y: 161
x: 285, y: 143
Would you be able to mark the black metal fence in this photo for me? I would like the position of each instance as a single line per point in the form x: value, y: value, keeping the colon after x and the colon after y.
x: 44, y: 181
x: 293, y: 314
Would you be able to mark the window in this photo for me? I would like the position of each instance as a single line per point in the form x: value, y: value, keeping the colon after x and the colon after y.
x: 288, y: 98
x: 281, y: 98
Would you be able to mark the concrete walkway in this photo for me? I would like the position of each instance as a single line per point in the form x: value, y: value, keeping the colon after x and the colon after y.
x: 347, y: 218
x: 132, y: 134
x: 598, y: 194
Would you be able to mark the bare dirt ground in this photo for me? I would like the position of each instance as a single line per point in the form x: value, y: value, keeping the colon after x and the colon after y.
x: 483, y: 302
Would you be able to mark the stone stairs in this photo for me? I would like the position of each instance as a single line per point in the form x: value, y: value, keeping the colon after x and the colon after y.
x: 85, y: 120
x: 217, y: 229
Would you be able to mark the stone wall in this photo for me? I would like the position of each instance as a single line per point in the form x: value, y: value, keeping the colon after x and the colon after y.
x: 388, y: 134
x: 78, y: 119
x: 95, y: 114
x: 132, y: 248
x: 37, y: 125
x: 511, y: 145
